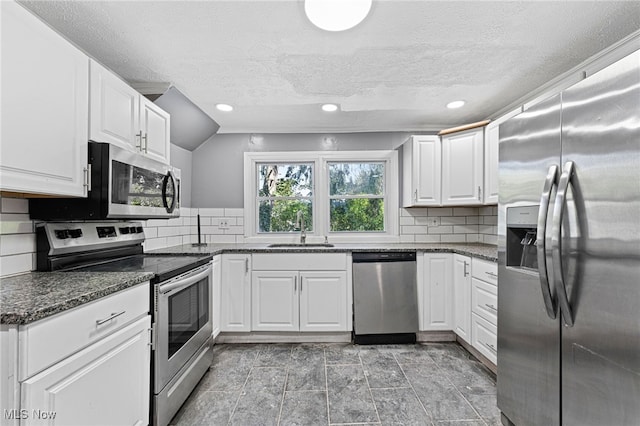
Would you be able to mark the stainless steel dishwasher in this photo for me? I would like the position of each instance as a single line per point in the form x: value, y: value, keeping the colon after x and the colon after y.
x: 385, y: 297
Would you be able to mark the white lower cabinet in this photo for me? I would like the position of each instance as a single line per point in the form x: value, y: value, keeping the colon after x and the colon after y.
x: 436, y: 292
x: 485, y: 337
x: 462, y: 296
x: 299, y: 300
x: 235, y: 309
x: 312, y: 297
x: 105, y: 383
x: 216, y: 294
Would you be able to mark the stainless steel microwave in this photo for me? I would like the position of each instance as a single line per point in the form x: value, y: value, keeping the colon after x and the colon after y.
x: 123, y: 185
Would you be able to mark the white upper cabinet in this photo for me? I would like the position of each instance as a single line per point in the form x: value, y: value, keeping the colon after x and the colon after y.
x: 45, y: 103
x: 463, y: 168
x: 491, y: 154
x: 115, y: 109
x: 154, y: 122
x: 421, y: 171
x: 123, y: 117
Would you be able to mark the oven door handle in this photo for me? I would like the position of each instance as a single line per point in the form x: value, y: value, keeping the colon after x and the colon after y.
x: 182, y: 283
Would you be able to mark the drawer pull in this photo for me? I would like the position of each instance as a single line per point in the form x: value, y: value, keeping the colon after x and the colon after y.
x: 110, y: 317
x: 493, y: 348
x: 491, y: 307
x: 492, y: 274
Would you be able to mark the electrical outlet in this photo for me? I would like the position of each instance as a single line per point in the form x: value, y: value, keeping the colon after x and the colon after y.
x: 433, y: 222
x: 223, y: 224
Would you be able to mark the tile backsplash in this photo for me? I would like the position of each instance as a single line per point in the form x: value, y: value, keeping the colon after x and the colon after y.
x: 449, y: 224
x: 222, y: 225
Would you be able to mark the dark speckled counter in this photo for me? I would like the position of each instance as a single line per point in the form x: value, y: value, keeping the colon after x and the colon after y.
x: 482, y: 251
x: 30, y: 297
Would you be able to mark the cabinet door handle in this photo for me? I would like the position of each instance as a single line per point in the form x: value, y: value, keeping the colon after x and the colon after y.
x: 493, y: 348
x: 415, y: 195
x: 295, y: 284
x: 246, y: 265
x: 465, y: 269
x: 145, y: 145
x: 479, y: 193
x: 139, y: 138
x: 491, y: 307
x: 110, y: 317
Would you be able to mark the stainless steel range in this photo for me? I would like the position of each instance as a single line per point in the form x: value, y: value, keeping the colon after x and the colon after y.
x: 180, y: 299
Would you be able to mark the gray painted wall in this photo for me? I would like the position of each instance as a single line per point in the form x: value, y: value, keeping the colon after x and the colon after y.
x: 181, y: 158
x: 218, y: 164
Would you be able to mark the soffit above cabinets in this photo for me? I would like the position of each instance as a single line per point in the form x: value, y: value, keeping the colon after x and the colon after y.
x: 395, y: 71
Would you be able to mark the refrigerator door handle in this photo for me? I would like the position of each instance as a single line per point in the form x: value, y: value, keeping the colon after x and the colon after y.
x: 556, y: 242
x: 549, y: 182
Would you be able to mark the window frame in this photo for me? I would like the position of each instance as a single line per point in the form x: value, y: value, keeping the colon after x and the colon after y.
x: 319, y: 161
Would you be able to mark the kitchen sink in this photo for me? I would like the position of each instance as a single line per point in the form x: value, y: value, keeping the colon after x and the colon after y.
x: 299, y: 245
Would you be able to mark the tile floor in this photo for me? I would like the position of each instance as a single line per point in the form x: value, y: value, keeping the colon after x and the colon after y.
x: 342, y: 384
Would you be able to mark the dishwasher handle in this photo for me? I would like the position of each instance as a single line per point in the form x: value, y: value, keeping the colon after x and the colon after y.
x: 383, y: 256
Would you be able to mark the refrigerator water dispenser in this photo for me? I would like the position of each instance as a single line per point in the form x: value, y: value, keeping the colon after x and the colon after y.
x: 522, y: 237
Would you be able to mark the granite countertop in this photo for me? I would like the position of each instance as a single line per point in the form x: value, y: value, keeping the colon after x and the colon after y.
x: 33, y: 296
x: 482, y: 251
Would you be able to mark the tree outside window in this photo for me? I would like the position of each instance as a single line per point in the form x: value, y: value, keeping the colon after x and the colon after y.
x: 283, y: 190
x: 356, y: 197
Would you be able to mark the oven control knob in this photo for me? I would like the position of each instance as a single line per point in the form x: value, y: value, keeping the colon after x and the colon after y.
x: 124, y: 230
x: 132, y: 230
x: 139, y: 230
x: 61, y: 234
x: 75, y: 233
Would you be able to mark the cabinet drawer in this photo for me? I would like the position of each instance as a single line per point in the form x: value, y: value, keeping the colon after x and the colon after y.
x: 485, y: 337
x: 299, y: 262
x: 484, y: 300
x: 45, y: 342
x: 485, y: 270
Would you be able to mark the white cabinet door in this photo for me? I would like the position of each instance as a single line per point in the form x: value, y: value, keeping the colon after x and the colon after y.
x: 462, y: 168
x: 462, y: 296
x: 107, y: 383
x: 422, y: 171
x: 45, y: 101
x: 216, y: 294
x: 437, y: 292
x: 323, y: 301
x: 491, y: 140
x: 274, y: 301
x: 115, y: 110
x: 236, y: 293
x: 154, y: 122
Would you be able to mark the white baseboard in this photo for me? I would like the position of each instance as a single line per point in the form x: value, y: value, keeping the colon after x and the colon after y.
x: 283, y: 337
x: 435, y: 336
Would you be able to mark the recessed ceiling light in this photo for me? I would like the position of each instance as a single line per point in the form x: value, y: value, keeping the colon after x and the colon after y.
x: 455, y: 104
x: 224, y: 107
x: 336, y: 15
x: 329, y: 107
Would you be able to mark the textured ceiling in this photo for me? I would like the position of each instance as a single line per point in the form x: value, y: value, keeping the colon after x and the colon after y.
x: 395, y: 71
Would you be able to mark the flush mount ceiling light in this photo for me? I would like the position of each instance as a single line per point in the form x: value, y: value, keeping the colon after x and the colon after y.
x: 329, y: 107
x: 455, y: 104
x: 224, y: 107
x: 336, y: 15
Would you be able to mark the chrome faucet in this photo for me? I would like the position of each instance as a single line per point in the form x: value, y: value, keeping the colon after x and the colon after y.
x: 300, y: 223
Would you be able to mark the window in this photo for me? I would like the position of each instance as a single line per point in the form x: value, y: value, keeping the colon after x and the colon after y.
x: 344, y: 195
x: 356, y: 197
x: 283, y: 190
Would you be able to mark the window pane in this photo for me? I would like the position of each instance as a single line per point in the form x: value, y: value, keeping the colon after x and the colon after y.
x: 285, y: 180
x: 280, y: 215
x: 357, y: 214
x: 356, y: 178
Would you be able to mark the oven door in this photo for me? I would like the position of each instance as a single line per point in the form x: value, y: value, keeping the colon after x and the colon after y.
x: 182, y: 322
x: 141, y: 187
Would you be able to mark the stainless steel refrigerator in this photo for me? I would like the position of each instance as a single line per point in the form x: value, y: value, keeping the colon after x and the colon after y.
x: 569, y: 255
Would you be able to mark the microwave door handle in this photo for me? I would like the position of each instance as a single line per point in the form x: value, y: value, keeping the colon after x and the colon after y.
x: 545, y: 197
x: 556, y: 243
x: 165, y: 184
x: 183, y: 283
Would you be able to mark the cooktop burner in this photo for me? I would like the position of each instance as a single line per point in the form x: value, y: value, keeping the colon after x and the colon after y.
x: 165, y: 267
